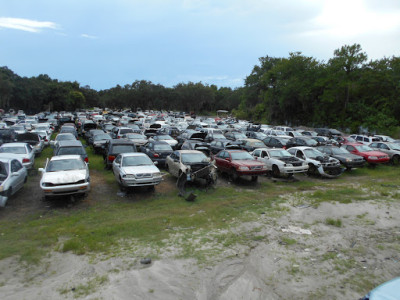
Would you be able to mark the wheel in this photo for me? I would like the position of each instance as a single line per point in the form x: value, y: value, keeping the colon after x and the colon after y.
x: 312, y: 170
x: 26, y: 179
x: 233, y: 175
x: 166, y: 167
x: 395, y: 160
x: 254, y: 178
x: 275, y: 171
x: 9, y: 192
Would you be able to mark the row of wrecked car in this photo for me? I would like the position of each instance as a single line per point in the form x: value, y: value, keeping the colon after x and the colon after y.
x: 136, y: 149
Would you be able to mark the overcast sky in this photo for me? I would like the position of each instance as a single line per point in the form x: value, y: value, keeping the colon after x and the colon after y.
x: 105, y: 43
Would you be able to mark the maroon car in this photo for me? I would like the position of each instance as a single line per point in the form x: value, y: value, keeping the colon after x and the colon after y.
x: 238, y: 163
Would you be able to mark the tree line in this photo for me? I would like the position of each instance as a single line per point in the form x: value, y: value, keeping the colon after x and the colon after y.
x: 347, y: 91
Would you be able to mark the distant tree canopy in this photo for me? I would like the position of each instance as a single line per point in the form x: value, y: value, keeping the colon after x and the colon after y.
x: 347, y: 91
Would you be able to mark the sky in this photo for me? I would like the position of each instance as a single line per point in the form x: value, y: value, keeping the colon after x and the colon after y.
x: 104, y: 43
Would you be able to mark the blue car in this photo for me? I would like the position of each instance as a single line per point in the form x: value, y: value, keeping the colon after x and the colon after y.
x: 386, y: 291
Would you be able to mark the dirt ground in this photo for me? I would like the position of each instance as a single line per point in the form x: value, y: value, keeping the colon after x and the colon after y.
x: 295, y: 255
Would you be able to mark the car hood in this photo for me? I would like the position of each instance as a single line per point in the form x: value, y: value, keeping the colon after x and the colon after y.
x: 247, y: 163
x: 373, y: 153
x: 62, y: 177
x: 344, y: 156
x: 140, y: 169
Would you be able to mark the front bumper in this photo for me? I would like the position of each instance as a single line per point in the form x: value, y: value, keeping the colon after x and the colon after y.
x: 293, y: 170
x: 140, y: 181
x: 67, y: 189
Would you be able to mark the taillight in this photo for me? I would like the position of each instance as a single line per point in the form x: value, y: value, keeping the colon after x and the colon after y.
x: 284, y: 147
x: 86, y: 159
x: 26, y: 160
x: 45, y: 140
x: 156, y: 155
x: 118, y: 137
x: 111, y: 158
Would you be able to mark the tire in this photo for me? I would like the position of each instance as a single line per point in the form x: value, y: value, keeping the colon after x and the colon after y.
x: 395, y: 160
x: 9, y: 192
x: 275, y: 171
x: 233, y: 175
x: 312, y: 170
x: 254, y: 178
x: 166, y: 167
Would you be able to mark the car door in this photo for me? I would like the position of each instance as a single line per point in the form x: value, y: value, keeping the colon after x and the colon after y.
x: 17, y: 175
x: 175, y: 162
x: 220, y: 161
x: 116, y: 166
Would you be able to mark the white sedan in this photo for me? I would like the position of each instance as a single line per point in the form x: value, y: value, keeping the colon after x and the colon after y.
x: 65, y: 175
x: 24, y: 151
x: 135, y: 169
x: 13, y: 175
x: 280, y: 161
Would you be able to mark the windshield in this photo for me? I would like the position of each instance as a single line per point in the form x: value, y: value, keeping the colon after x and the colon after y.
x: 283, y: 141
x: 65, y: 165
x: 101, y: 137
x: 164, y: 137
x: 258, y: 144
x: 260, y: 135
x: 296, y: 133
x: 130, y: 161
x: 15, y: 150
x: 160, y: 147
x: 241, y: 156
x: 279, y: 153
x: 363, y: 148
x: 134, y: 136
x: 71, y: 150
x: 188, y: 158
x: 127, y: 130
x: 312, y: 153
x: 19, y: 128
x: 339, y: 151
x: 219, y: 136
x: 311, y: 142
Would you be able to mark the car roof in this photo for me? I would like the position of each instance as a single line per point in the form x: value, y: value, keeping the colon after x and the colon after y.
x: 302, y: 148
x: 355, y: 144
x: 189, y: 151
x: 133, y: 154
x: 69, y: 143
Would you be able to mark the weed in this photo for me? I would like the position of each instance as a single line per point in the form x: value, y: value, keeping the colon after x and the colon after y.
x: 333, y: 222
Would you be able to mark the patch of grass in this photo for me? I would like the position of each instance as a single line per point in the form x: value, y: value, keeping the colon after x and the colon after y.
x: 288, y: 241
x: 333, y: 222
x: 90, y: 287
x: 340, y: 194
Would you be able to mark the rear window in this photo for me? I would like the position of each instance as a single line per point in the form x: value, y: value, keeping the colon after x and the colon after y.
x: 71, y: 150
x: 123, y: 131
x: 123, y: 149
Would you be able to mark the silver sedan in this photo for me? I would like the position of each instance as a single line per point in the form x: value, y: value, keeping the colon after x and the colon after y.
x: 135, y: 169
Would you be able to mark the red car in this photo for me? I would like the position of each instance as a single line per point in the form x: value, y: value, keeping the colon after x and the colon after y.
x: 238, y: 163
x: 370, y: 155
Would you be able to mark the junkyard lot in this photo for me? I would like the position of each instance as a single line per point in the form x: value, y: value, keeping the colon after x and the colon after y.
x: 353, y: 220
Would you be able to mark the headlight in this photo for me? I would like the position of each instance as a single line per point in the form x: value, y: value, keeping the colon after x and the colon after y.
x: 243, y: 168
x: 264, y: 167
x: 373, y: 157
x: 128, y: 176
x: 288, y: 165
x: 348, y: 160
x: 158, y: 174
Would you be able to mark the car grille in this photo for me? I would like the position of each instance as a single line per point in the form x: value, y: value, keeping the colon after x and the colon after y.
x: 256, y: 168
x: 144, y: 175
x: 62, y: 184
x: 297, y: 164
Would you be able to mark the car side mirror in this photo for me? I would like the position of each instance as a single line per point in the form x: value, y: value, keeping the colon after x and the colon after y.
x: 41, y: 170
x: 14, y: 174
x: 227, y: 159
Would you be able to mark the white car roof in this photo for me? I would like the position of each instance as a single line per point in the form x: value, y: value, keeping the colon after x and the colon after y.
x: 14, y: 145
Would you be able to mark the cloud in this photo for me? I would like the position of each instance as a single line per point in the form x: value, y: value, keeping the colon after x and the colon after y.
x: 26, y: 24
x: 87, y: 36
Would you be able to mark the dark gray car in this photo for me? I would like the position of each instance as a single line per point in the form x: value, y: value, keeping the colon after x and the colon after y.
x: 346, y: 158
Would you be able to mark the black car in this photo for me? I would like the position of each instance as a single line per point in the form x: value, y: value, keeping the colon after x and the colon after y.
x: 235, y: 135
x: 99, y: 141
x: 328, y: 132
x: 7, y: 135
x: 301, y: 141
x: 197, y: 145
x: 346, y: 158
x: 276, y: 142
x: 255, y: 135
x: 71, y: 147
x: 86, y: 126
x: 91, y: 133
x: 219, y: 145
x: 157, y: 151
x: 115, y: 147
